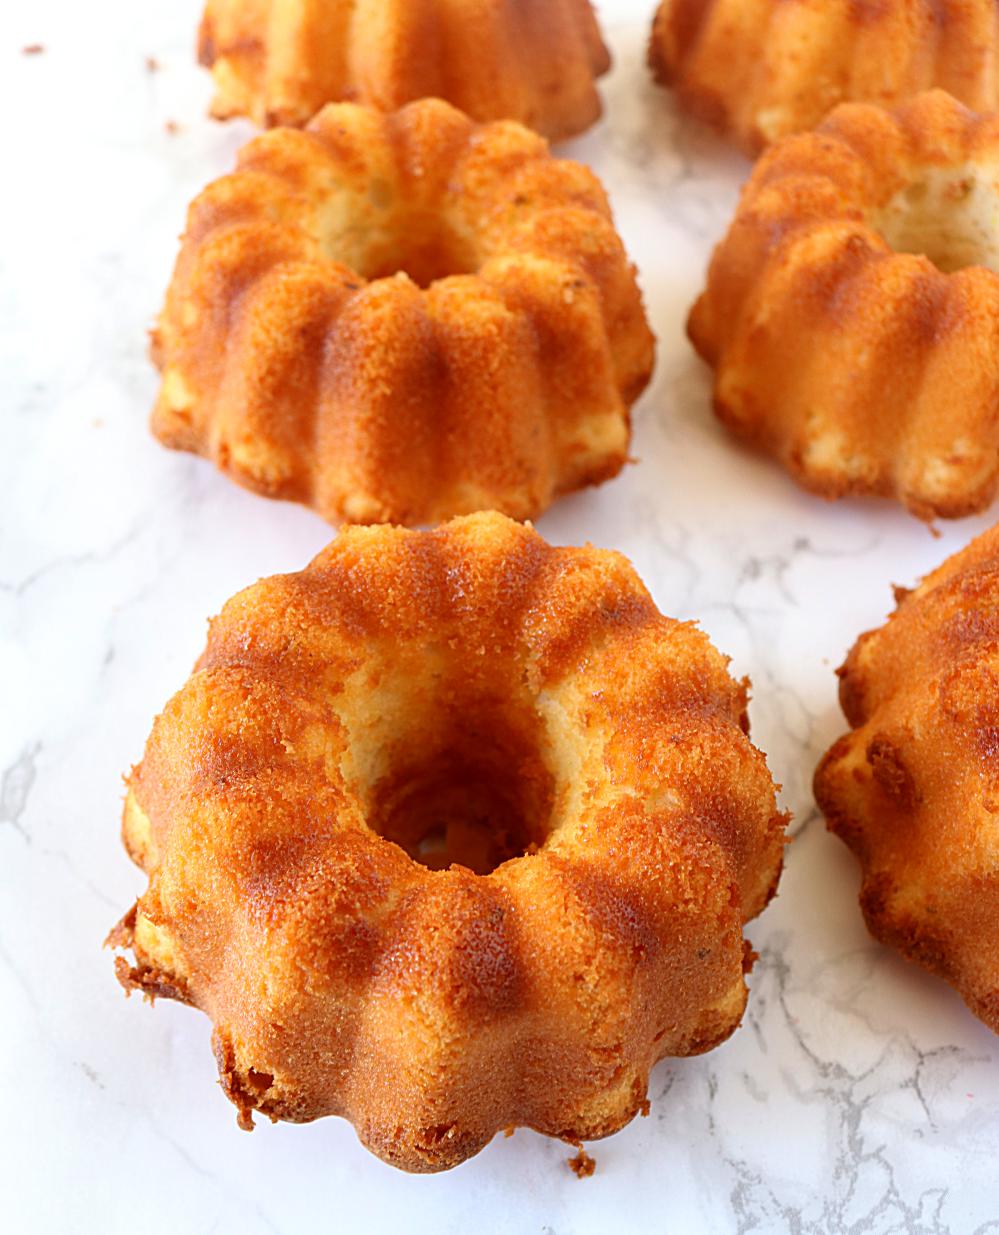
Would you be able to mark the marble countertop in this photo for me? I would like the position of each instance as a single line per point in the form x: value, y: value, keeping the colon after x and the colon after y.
x: 859, y: 1095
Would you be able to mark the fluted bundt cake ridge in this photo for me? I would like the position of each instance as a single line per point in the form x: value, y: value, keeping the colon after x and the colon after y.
x: 759, y: 70
x: 404, y: 317
x: 279, y: 63
x: 451, y: 832
x: 852, y: 311
x: 913, y: 788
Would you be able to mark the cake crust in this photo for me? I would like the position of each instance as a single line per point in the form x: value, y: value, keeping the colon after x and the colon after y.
x: 851, y: 313
x: 280, y: 63
x: 607, y: 831
x: 760, y: 70
x: 913, y: 789
x: 400, y: 318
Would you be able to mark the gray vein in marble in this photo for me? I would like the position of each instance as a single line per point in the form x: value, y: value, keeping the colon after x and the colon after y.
x: 94, y: 557
x: 7, y: 962
x: 837, y: 1091
x: 15, y: 788
x: 60, y: 855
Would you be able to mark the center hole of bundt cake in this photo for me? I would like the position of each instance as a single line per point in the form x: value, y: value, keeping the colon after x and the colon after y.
x: 426, y: 250
x: 480, y: 799
x: 950, y: 215
x: 395, y: 238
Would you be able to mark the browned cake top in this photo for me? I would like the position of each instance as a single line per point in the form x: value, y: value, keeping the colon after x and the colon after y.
x: 761, y: 69
x: 495, y: 59
x: 470, y: 809
x: 402, y: 317
x: 914, y: 789
x: 852, y: 311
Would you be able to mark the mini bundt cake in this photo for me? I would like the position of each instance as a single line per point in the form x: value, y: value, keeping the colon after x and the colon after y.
x: 280, y: 61
x: 402, y: 318
x: 914, y: 788
x: 759, y: 70
x: 451, y: 832
x: 852, y: 311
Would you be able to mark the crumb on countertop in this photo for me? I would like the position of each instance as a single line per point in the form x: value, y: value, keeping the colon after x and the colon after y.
x: 582, y: 1165
x: 172, y: 128
x: 33, y: 49
x: 152, y: 64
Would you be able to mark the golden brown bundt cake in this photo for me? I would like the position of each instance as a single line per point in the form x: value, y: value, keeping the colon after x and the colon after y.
x: 280, y: 61
x: 914, y: 789
x: 402, y: 318
x: 761, y: 69
x: 453, y: 831
x: 852, y: 311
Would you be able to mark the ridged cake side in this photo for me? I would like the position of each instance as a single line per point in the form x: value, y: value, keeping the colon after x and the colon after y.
x: 759, y: 70
x: 862, y: 368
x: 434, y: 1008
x: 914, y: 788
x: 280, y: 62
x: 501, y: 382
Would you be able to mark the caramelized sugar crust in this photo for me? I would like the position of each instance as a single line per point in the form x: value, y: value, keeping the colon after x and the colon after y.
x: 914, y: 788
x: 279, y: 63
x: 759, y: 70
x: 469, y: 696
x: 400, y: 318
x: 851, y: 314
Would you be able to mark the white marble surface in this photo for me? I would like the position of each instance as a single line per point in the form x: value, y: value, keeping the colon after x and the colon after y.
x: 859, y: 1094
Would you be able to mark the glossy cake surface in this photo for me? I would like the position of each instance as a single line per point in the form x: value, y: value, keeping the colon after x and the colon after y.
x: 759, y: 70
x: 448, y: 833
x: 914, y: 788
x: 280, y: 61
x: 851, y: 313
x: 401, y: 318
